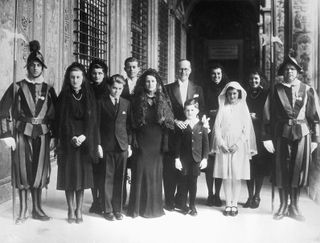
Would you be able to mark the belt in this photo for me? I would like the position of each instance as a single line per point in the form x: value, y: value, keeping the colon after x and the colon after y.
x: 34, y: 120
x: 291, y: 122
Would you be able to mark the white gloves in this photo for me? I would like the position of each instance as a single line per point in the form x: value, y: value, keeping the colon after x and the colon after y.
x: 100, y: 152
x: 9, y: 143
x: 203, y: 164
x: 313, y: 146
x: 178, y: 164
x: 129, y: 151
x: 269, y: 146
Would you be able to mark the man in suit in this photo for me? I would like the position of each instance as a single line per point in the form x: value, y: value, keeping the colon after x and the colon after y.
x: 132, y: 69
x: 179, y: 91
x: 115, y: 132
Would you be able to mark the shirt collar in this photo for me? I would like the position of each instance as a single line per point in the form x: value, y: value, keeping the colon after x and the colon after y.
x: 185, y: 83
x: 294, y: 83
x: 113, y: 98
x: 38, y: 80
x: 132, y: 80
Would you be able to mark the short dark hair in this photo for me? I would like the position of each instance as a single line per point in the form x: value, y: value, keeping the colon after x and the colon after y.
x: 216, y: 66
x: 117, y: 78
x: 263, y: 78
x: 98, y: 63
x: 131, y: 59
x: 231, y: 88
x: 192, y: 101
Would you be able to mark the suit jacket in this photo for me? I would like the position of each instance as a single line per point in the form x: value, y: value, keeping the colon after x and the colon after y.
x: 194, y: 91
x: 115, y: 124
x: 192, y: 145
x: 126, y: 93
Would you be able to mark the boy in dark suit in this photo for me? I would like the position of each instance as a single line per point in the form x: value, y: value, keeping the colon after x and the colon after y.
x: 192, y: 150
x: 115, y: 132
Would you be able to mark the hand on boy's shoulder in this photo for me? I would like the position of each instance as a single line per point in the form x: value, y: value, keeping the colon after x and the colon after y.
x: 181, y: 124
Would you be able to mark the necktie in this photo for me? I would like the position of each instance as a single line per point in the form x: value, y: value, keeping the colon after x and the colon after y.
x: 116, y: 104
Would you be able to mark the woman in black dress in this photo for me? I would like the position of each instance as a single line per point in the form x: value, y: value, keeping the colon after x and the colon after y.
x: 260, y: 163
x: 77, y: 134
x: 97, y: 74
x: 212, y: 89
x: 152, y: 116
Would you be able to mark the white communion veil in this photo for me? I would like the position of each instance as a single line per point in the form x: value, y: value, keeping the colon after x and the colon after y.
x: 249, y: 135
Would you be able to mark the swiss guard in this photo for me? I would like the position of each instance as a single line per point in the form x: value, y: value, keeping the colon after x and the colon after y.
x: 29, y: 105
x: 291, y: 132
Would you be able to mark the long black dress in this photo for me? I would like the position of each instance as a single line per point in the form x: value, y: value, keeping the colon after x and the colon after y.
x: 146, y: 189
x: 74, y: 163
x: 260, y: 163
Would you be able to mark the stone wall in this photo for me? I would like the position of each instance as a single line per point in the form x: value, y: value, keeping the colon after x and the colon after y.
x: 304, y: 19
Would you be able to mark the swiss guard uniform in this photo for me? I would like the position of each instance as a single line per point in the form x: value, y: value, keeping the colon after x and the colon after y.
x: 31, y: 106
x: 291, y: 121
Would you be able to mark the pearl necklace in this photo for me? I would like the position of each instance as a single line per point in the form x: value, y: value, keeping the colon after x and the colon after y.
x: 78, y: 99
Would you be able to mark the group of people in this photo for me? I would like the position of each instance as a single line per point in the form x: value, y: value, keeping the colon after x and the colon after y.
x: 103, y: 127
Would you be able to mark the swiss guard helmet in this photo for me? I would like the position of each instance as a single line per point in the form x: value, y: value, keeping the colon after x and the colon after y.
x: 289, y: 60
x: 35, y: 54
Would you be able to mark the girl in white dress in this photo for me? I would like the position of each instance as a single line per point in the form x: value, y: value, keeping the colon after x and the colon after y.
x: 233, y: 142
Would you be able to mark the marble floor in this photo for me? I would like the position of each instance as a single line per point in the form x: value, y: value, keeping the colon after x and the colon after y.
x: 251, y: 225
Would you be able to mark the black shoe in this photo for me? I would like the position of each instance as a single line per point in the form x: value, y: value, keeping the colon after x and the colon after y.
x: 21, y: 220
x: 295, y: 213
x: 118, y: 216
x: 169, y: 208
x: 248, y: 203
x: 226, y: 211
x: 108, y: 216
x: 95, y: 208
x: 210, y: 201
x: 217, y: 201
x: 234, y: 211
x: 282, y: 212
x: 79, y: 220
x: 183, y: 209
x: 71, y: 218
x: 37, y: 216
x: 193, y: 212
x: 255, y: 202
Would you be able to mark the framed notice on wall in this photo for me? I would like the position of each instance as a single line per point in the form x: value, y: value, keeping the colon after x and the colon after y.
x: 224, y: 49
x: 229, y: 54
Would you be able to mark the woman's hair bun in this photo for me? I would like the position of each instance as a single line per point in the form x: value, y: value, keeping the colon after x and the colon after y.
x: 34, y: 46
